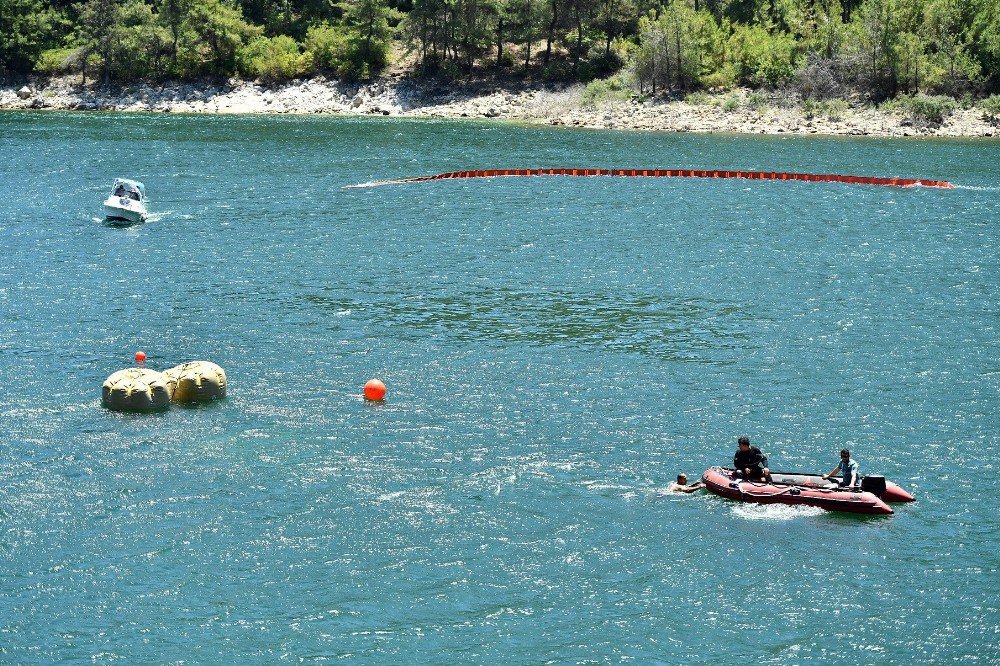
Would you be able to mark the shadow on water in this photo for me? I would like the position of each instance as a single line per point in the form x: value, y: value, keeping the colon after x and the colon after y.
x: 199, y: 406
x: 135, y: 416
x: 119, y: 223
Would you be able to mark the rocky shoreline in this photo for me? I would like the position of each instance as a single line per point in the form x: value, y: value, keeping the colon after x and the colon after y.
x: 734, y: 112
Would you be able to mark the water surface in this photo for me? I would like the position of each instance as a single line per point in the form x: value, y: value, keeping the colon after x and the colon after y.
x: 556, y: 351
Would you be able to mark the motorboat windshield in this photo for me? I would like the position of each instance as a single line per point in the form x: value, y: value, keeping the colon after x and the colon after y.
x: 131, y: 189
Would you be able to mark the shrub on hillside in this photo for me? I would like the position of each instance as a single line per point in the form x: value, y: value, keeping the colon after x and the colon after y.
x: 596, y: 65
x: 557, y: 71
x: 722, y: 79
x: 698, y: 99
x: 809, y: 106
x: 325, y: 47
x: 272, y: 59
x: 762, y: 59
x: 507, y: 60
x: 58, y: 61
x: 757, y: 102
x: 834, y: 109
x: 819, y: 78
x: 991, y: 108
x: 923, y: 109
x: 605, y: 90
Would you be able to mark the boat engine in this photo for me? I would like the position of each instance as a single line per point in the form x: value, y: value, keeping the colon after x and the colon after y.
x: 873, y: 484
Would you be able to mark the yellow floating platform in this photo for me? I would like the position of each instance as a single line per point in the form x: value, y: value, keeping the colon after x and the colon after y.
x: 136, y: 390
x: 197, y: 381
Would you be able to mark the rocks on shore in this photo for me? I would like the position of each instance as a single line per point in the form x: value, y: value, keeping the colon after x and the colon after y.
x: 396, y: 96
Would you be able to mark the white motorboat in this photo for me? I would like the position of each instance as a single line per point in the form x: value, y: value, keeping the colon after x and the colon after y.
x: 127, y: 202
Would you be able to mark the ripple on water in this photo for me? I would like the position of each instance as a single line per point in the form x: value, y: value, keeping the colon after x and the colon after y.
x: 670, y: 328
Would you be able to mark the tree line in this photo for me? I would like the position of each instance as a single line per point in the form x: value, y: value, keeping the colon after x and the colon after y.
x: 826, y: 48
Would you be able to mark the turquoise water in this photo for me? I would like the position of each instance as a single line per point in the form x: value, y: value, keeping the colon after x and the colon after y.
x: 556, y: 350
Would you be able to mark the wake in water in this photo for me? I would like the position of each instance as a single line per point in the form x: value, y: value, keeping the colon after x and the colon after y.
x: 370, y: 183
x: 977, y: 188
x: 775, y: 512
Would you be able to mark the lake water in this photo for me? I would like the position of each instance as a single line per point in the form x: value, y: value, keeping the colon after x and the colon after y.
x: 556, y: 350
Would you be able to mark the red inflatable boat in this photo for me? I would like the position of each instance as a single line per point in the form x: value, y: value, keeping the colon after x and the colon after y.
x: 808, y: 489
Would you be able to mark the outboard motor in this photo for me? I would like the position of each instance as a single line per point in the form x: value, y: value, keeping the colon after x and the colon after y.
x: 873, y: 484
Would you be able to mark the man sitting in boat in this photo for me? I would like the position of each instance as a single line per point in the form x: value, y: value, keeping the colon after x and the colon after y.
x: 119, y: 191
x: 681, y: 486
x: 848, y: 469
x: 749, y: 462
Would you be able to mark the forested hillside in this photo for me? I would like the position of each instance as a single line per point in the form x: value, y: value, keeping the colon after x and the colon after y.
x: 874, y: 49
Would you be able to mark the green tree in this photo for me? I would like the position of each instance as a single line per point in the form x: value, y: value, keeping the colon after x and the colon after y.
x: 369, y: 21
x: 26, y: 28
x: 220, y: 27
x: 173, y: 15
x: 947, y: 24
x: 95, y: 34
x: 524, y: 24
x: 139, y: 44
x: 472, y: 26
x: 681, y: 48
x: 581, y: 12
x: 555, y: 18
x: 985, y: 46
x: 676, y: 49
x: 122, y: 39
x: 821, y: 29
x: 761, y: 58
x: 874, y: 33
x: 911, y: 61
x: 616, y: 18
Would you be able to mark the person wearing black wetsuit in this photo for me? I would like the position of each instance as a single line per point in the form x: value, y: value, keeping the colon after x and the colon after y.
x: 749, y: 462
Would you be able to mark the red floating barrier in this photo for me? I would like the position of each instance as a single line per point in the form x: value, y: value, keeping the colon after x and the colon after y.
x: 678, y: 173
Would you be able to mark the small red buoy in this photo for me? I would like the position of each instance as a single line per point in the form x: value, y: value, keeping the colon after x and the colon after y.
x: 140, y: 357
x: 374, y: 390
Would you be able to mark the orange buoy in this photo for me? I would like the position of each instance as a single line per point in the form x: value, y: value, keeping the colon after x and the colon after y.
x: 374, y: 390
x: 140, y: 357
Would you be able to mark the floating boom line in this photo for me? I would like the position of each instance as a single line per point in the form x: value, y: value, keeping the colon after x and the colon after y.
x: 675, y: 173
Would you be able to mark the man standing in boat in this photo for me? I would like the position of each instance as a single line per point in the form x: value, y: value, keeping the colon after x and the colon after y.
x: 749, y: 462
x: 848, y: 469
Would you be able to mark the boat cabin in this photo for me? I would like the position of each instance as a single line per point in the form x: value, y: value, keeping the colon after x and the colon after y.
x: 131, y: 189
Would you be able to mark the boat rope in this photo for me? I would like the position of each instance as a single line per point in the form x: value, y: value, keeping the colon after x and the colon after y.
x: 672, y: 173
x: 790, y: 489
